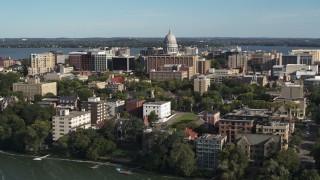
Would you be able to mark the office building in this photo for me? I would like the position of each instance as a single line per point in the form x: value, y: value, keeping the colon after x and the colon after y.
x: 41, y: 63
x: 80, y: 60
x: 122, y: 62
x: 208, y: 147
x: 68, y: 121
x: 100, y: 61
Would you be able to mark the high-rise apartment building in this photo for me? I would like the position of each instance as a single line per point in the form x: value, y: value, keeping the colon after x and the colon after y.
x: 98, y: 109
x: 80, y: 60
x: 41, y: 63
x: 201, y: 84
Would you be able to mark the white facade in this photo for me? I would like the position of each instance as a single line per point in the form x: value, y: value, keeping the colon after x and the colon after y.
x: 69, y: 121
x: 161, y: 108
x: 115, y: 106
x: 201, y: 84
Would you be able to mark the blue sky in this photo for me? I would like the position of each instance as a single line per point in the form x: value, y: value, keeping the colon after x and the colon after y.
x: 150, y: 18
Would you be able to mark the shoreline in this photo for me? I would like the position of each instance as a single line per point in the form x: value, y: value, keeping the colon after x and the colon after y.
x: 98, y: 163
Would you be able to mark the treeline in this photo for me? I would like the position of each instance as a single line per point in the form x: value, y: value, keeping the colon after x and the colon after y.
x: 153, y: 42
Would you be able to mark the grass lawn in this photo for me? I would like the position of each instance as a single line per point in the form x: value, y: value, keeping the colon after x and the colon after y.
x: 185, y: 119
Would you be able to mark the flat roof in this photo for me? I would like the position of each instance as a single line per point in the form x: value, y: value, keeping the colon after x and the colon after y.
x: 156, y: 103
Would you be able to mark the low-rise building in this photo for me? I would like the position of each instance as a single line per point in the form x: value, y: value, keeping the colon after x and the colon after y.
x: 135, y: 107
x: 258, y: 147
x: 208, y: 147
x: 291, y: 90
x: 33, y: 86
x: 210, y: 117
x: 115, y: 87
x: 68, y: 102
x: 168, y: 75
x: 275, y: 128
x: 68, y: 121
x: 6, y: 62
x: 115, y: 106
x: 161, y: 108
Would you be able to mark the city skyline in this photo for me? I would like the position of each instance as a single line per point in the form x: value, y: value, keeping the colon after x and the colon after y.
x: 140, y: 18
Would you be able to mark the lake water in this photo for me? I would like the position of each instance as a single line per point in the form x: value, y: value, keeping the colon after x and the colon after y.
x: 24, y: 167
x: 21, y: 53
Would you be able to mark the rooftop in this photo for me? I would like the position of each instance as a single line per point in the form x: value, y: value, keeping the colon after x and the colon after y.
x: 255, y: 139
x: 212, y: 137
x: 156, y: 103
x: 73, y: 114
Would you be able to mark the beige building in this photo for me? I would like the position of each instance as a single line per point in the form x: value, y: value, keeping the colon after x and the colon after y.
x: 168, y: 75
x: 258, y: 147
x: 33, y: 86
x: 238, y: 61
x: 201, y: 84
x: 42, y: 63
x: 276, y: 128
x: 68, y: 121
x: 204, y: 66
x: 314, y: 52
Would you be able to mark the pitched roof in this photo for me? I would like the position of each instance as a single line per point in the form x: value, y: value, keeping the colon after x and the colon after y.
x: 117, y: 80
x: 255, y: 139
x: 191, y: 133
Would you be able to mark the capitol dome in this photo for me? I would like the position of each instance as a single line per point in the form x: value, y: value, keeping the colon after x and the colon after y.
x: 170, y: 43
x: 170, y: 38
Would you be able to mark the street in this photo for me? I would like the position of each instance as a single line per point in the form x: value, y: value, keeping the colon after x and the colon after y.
x: 307, y: 143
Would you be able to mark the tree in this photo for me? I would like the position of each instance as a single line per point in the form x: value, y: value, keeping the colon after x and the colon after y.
x: 84, y: 94
x: 37, y: 98
x: 274, y: 171
x: 316, y: 153
x: 289, y: 159
x: 36, y: 133
x: 182, y: 159
x: 311, y: 174
x: 233, y: 162
x: 153, y: 117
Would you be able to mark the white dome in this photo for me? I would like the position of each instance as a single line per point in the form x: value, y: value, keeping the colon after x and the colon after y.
x: 170, y: 38
x: 170, y: 44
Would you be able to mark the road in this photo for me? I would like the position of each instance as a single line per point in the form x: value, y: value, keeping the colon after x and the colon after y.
x: 306, y: 145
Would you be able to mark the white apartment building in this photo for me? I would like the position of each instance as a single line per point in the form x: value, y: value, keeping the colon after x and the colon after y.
x: 68, y: 121
x: 116, y: 105
x: 161, y: 108
x: 201, y: 84
x: 42, y: 63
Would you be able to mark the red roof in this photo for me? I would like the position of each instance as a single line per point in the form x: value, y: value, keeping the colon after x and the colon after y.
x: 191, y: 133
x: 100, y: 124
x: 117, y: 80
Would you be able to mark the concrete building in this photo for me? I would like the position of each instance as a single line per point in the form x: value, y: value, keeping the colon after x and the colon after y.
x: 298, y: 58
x: 204, y: 66
x: 201, y: 84
x: 168, y: 75
x: 208, y: 147
x: 275, y: 128
x: 258, y: 147
x: 189, y: 51
x: 115, y: 106
x: 67, y: 121
x: 98, y: 109
x: 314, y: 52
x: 100, y: 61
x: 41, y: 63
x: 238, y: 61
x: 33, y: 86
x: 313, y: 82
x: 161, y: 108
x: 264, y: 61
